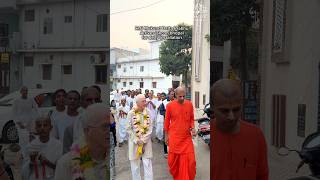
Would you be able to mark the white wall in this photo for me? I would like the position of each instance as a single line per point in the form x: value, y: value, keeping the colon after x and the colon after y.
x: 80, y: 33
x: 299, y: 79
x: 202, y: 86
x: 83, y: 72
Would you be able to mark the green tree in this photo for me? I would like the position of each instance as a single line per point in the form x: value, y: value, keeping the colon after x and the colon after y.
x: 176, y: 55
x: 233, y: 20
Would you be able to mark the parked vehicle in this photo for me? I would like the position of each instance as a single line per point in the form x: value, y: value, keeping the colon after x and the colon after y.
x: 309, y: 154
x: 204, y: 125
x: 9, y: 133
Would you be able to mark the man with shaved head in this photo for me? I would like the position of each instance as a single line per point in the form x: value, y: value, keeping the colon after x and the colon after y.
x: 179, y: 129
x: 95, y: 125
x: 140, y: 116
x: 238, y: 149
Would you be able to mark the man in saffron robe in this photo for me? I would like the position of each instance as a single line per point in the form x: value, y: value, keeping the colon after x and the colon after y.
x: 238, y: 149
x: 179, y: 128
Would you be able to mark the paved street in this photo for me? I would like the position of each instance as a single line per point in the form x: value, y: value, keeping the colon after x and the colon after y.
x: 160, y: 168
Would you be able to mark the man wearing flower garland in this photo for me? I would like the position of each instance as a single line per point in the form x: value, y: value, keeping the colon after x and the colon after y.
x: 179, y: 126
x: 88, y: 156
x: 140, y: 145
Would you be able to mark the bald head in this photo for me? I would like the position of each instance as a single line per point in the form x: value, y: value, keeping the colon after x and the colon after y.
x: 226, y: 103
x: 95, y: 114
x: 89, y: 96
x: 141, y: 101
x: 227, y: 88
x: 180, y: 94
x: 180, y: 89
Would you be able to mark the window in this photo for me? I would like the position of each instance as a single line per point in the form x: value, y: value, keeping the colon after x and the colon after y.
x: 67, y: 69
x: 124, y: 84
x: 68, y: 19
x: 29, y: 15
x: 301, y: 120
x: 28, y: 61
x: 119, y: 80
x: 278, y: 120
x: 101, y: 74
x: 197, y: 99
x: 204, y: 100
x: 124, y: 69
x: 119, y: 66
x: 154, y: 84
x: 102, y: 23
x: 130, y: 83
x: 131, y: 67
x: 47, y: 26
x: 141, y: 84
x: 141, y: 68
x: 46, y: 71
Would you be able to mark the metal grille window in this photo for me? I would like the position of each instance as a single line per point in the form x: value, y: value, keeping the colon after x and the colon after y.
x: 48, y: 26
x: 301, y: 120
x: 102, y: 23
x: 141, y: 84
x: 197, y: 94
x: 154, y: 84
x: 67, y: 69
x: 68, y: 19
x: 119, y: 66
x: 101, y: 74
x: 204, y: 100
x: 28, y: 61
x: 141, y: 68
x: 29, y: 15
x: 124, y: 69
x: 47, y: 71
x: 124, y: 84
x: 130, y: 83
x: 279, y: 120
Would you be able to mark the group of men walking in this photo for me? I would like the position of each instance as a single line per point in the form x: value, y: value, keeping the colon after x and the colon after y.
x: 164, y: 117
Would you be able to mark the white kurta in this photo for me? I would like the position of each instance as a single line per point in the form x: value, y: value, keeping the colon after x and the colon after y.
x: 52, y: 150
x: 160, y: 122
x: 25, y: 111
x: 133, y: 139
x: 123, y: 122
x: 153, y: 111
x: 63, y: 169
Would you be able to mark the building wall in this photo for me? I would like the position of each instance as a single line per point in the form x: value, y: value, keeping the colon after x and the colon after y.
x: 83, y: 71
x: 299, y: 79
x: 150, y: 74
x: 202, y: 86
x: 80, y: 33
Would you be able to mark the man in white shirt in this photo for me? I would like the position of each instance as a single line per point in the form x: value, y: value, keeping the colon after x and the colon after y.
x: 131, y: 100
x: 42, y: 153
x: 59, y: 113
x: 123, y: 110
x: 24, y: 112
x: 117, y: 96
x: 160, y: 115
x: 72, y: 115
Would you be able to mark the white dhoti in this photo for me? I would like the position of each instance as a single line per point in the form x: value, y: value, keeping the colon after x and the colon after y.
x: 123, y: 123
x: 147, y: 166
x: 23, y: 140
x: 159, y: 127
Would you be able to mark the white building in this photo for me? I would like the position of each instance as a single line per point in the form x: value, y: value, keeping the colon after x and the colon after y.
x: 290, y: 71
x: 64, y: 43
x: 116, y: 53
x: 142, y: 71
